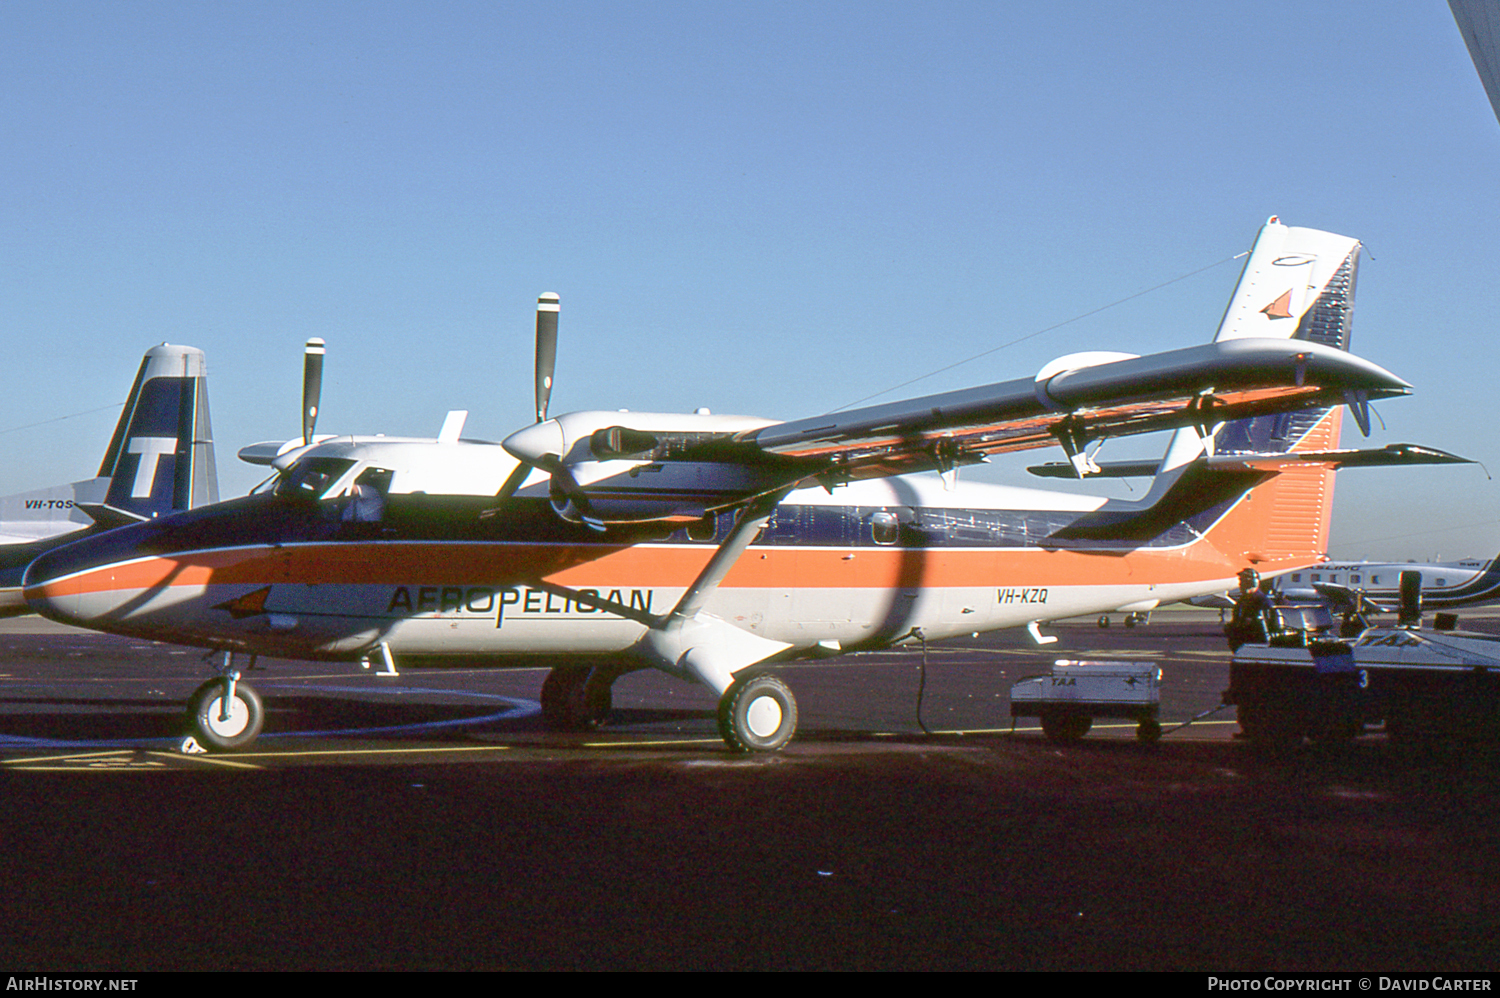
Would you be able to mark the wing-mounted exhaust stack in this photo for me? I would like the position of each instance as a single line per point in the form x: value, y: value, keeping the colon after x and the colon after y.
x: 312, y: 386
x: 547, y: 307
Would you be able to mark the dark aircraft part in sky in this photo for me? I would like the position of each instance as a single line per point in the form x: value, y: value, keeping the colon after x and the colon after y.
x: 1479, y: 22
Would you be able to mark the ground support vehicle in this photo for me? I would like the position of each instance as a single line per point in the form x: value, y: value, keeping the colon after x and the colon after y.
x: 1069, y: 698
x: 1427, y: 685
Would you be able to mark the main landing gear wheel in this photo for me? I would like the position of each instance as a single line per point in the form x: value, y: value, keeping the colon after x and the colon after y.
x: 222, y: 728
x: 758, y: 714
x: 577, y: 698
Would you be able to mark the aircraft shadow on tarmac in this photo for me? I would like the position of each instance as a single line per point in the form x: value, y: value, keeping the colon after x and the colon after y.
x: 105, y: 721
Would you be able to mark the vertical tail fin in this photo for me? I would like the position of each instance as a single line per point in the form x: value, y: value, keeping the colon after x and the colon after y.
x: 1298, y: 284
x: 161, y: 458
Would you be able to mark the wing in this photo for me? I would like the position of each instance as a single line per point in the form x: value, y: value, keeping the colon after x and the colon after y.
x: 1070, y: 405
x: 608, y: 466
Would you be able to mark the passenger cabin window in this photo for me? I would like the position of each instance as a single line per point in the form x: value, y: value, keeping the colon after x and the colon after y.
x: 1354, y: 580
x: 885, y: 528
x: 312, y: 477
x: 704, y: 528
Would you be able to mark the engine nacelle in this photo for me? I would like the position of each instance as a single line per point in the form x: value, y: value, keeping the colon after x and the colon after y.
x: 623, y: 491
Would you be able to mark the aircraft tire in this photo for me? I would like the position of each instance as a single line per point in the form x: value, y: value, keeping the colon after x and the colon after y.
x: 1065, y: 726
x: 246, y: 716
x: 758, y: 714
x: 577, y: 698
x: 1104, y: 621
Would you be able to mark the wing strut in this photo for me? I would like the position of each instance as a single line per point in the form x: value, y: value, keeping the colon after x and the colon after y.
x: 686, y: 642
x: 696, y: 645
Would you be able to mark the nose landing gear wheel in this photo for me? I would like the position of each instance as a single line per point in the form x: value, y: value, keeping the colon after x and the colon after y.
x: 758, y: 714
x: 221, y: 728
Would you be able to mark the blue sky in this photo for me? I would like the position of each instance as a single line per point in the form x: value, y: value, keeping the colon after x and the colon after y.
x: 768, y: 208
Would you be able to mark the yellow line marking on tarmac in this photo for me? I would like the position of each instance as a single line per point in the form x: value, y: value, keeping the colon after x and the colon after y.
x: 127, y: 759
x: 390, y: 751
x: 212, y: 760
x: 116, y: 761
x: 669, y: 741
x: 74, y: 757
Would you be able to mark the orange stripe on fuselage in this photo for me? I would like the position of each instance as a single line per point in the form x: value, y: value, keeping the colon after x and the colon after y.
x: 491, y: 564
x: 1280, y: 525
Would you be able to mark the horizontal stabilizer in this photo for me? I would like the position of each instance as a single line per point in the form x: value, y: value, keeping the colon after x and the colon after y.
x: 1391, y: 455
x: 108, y: 517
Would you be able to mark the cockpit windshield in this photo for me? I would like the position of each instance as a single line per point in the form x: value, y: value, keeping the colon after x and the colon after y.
x: 311, y: 477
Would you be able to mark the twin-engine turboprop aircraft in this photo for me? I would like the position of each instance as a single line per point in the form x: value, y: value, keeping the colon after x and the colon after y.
x: 713, y: 546
x: 159, y: 461
x: 1445, y: 585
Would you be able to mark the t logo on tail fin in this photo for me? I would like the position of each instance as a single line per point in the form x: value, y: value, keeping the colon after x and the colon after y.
x: 161, y: 458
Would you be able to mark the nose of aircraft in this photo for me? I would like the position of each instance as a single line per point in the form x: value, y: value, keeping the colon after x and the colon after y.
x: 42, y: 594
x: 72, y: 584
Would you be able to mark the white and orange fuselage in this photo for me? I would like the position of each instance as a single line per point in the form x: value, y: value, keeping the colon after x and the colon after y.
x: 459, y: 577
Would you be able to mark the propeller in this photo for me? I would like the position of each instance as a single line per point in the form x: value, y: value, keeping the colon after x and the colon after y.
x: 569, y: 500
x: 312, y: 386
x: 543, y: 444
x: 546, y: 350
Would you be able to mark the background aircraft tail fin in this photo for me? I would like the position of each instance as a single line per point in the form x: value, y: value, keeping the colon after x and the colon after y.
x: 161, y: 458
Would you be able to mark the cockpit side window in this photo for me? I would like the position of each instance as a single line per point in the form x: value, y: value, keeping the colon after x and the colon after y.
x: 311, y: 477
x: 366, y: 503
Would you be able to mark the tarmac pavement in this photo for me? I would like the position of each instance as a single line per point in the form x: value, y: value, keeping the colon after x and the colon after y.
x: 429, y: 822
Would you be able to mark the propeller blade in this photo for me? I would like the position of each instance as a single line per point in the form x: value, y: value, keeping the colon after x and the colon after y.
x: 546, y: 350
x: 569, y: 500
x: 312, y: 386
